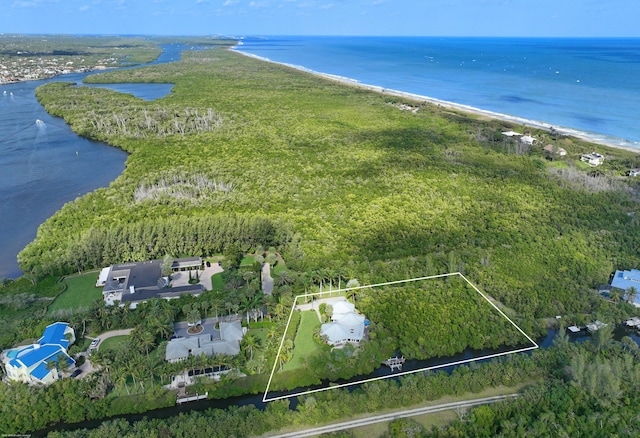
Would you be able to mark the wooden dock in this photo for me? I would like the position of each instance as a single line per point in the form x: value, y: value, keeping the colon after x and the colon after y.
x: 633, y: 322
x: 395, y: 363
x: 192, y: 398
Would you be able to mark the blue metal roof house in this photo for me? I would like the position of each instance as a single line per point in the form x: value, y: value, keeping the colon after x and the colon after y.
x: 30, y: 364
x: 628, y: 279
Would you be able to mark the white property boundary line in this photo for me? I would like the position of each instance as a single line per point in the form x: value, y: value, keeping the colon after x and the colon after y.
x: 459, y: 362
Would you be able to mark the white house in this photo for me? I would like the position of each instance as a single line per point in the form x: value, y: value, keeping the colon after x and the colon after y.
x: 592, y: 159
x: 527, y: 139
x: 228, y: 343
x: 347, y: 326
x: 40, y: 362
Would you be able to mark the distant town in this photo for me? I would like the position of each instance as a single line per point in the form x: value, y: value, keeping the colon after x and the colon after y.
x: 26, y: 68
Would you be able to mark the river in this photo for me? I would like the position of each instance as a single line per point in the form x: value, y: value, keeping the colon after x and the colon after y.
x: 256, y: 400
x: 45, y: 164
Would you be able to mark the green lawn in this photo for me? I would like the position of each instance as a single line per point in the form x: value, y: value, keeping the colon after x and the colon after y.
x: 81, y: 292
x: 217, y: 283
x: 248, y: 261
x: 304, y: 346
x: 114, y: 344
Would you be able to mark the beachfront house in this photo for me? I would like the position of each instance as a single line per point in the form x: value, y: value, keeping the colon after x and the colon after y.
x: 625, y: 280
x: 225, y: 341
x: 346, y: 325
x: 511, y: 134
x: 554, y: 150
x: 527, y: 139
x: 42, y: 362
x: 132, y: 283
x: 592, y: 159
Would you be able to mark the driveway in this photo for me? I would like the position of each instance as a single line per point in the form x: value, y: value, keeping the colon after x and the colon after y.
x: 87, y: 367
x: 208, y: 328
x: 267, y: 281
x: 181, y: 278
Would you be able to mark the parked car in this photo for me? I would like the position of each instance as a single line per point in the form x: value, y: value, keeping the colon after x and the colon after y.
x: 94, y: 343
x: 76, y: 373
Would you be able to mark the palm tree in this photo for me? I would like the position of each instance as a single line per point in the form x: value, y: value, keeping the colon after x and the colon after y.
x: 250, y: 342
x: 122, y: 377
x: 248, y: 276
x: 283, y: 278
x: 351, y: 288
x: 615, y: 294
x: 271, y: 258
x: 147, y: 340
x: 193, y: 316
x: 632, y: 293
x: 286, y: 353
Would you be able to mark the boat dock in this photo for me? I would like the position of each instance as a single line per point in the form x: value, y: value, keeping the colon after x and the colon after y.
x: 633, y: 322
x: 395, y: 363
x: 196, y: 397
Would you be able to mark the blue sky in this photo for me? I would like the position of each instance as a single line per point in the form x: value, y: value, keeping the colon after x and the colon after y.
x: 324, y: 17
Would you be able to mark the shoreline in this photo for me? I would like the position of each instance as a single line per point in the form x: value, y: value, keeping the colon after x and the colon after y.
x: 595, y: 138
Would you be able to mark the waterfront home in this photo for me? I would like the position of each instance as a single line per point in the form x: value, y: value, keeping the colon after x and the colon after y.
x: 592, y: 159
x: 40, y: 363
x: 625, y: 280
x: 346, y: 325
x: 511, y: 134
x: 132, y: 283
x: 226, y: 341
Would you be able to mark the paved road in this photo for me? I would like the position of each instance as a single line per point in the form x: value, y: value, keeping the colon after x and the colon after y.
x: 392, y: 416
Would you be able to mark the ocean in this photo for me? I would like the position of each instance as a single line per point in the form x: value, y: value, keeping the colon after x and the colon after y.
x: 588, y: 86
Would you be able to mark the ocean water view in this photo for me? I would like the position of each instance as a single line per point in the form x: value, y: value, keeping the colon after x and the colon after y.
x: 585, y: 85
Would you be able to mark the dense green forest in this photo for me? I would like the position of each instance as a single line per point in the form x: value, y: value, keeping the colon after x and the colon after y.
x: 366, y: 187
x: 438, y: 317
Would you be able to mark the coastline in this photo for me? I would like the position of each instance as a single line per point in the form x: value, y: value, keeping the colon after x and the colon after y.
x: 570, y: 132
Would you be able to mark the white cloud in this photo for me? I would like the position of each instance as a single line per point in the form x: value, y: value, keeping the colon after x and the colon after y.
x: 84, y: 8
x: 260, y: 4
x: 230, y: 2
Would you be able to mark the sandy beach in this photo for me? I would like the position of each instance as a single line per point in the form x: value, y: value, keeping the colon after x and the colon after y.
x: 592, y: 138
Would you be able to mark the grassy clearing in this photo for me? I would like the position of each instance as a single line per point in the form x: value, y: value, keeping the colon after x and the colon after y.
x: 114, y: 343
x: 304, y: 345
x: 80, y: 293
x: 248, y: 261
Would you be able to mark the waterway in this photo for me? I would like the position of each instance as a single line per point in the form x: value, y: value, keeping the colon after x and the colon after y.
x: 45, y: 164
x: 256, y: 400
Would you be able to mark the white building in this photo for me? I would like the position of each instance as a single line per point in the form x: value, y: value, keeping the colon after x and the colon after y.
x: 347, y: 326
x: 592, y: 159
